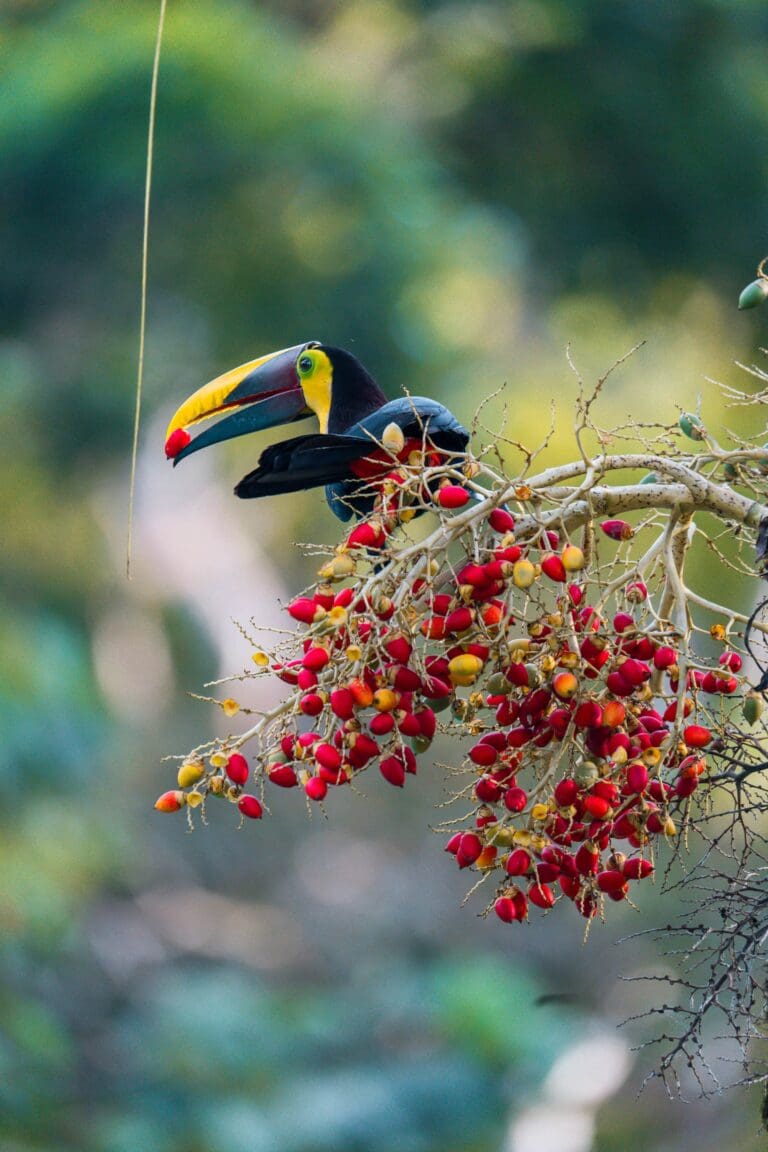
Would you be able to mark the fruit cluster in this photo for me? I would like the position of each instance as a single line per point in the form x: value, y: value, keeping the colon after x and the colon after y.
x: 590, y: 726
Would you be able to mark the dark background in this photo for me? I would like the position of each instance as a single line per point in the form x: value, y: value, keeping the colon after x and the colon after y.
x: 455, y: 191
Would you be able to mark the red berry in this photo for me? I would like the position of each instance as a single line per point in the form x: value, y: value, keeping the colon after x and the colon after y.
x: 435, y: 688
x: 404, y: 679
x: 409, y: 725
x: 501, y: 520
x: 517, y: 674
x: 170, y: 801
x: 566, y: 791
x: 381, y: 724
x: 393, y: 771
x: 506, y: 909
x: 597, y: 807
x: 306, y: 611
x: 558, y: 720
x: 541, y: 895
x: 306, y: 679
x: 518, y: 862
x: 637, y: 777
x: 553, y: 567
x: 588, y: 858
x: 282, y: 775
x: 316, y: 788
x: 515, y: 799
x: 315, y: 659
x: 237, y: 768
x: 517, y: 737
x: 250, y: 807
x: 176, y: 442
x: 570, y: 886
x: 686, y: 786
x: 588, y: 714
x: 469, y: 848
x: 433, y: 628
x: 328, y: 756
x: 488, y: 790
x: 452, y: 496
x: 483, y: 755
x: 367, y: 535
x: 363, y: 750
x: 534, y: 704
x: 696, y: 736
x: 670, y: 712
x: 343, y: 703
x: 575, y: 594
x: 635, y: 672
x: 398, y: 647
x: 664, y: 657
x: 616, y: 684
x: 459, y: 620
x: 312, y: 704
x: 617, y: 529
x: 611, y: 881
x: 651, y: 721
x: 635, y: 868
x: 511, y: 554
x: 473, y: 574
x: 408, y: 757
x: 427, y: 722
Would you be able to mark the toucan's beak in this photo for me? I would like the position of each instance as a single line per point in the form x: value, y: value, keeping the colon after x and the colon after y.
x: 261, y: 394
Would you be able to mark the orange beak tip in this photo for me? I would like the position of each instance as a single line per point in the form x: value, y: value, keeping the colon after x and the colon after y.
x: 176, y: 442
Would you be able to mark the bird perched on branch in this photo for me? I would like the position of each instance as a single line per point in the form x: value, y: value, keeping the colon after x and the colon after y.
x: 362, y: 434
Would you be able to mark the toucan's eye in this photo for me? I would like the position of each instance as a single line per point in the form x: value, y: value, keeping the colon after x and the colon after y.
x: 305, y: 363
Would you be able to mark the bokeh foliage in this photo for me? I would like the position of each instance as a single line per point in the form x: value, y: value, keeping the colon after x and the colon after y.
x: 453, y: 190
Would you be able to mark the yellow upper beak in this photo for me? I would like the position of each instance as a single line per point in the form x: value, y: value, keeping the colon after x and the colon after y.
x: 261, y: 394
x: 213, y: 397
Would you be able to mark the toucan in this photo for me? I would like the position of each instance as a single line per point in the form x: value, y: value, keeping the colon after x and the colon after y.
x: 356, y: 441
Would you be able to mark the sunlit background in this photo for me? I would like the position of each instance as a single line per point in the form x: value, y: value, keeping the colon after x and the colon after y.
x: 454, y: 191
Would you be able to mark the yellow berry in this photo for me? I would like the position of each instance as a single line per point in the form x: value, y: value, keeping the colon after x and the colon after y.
x: 572, y: 558
x: 523, y: 574
x: 385, y: 700
x: 189, y: 773
x: 465, y: 669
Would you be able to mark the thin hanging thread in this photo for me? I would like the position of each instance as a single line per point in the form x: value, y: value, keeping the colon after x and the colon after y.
x: 144, y: 264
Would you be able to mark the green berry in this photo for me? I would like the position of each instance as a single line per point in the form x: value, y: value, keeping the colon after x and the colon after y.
x: 692, y: 426
x: 752, y: 708
x: 754, y: 294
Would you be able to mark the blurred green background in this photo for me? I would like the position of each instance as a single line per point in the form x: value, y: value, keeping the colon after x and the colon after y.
x: 454, y: 191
